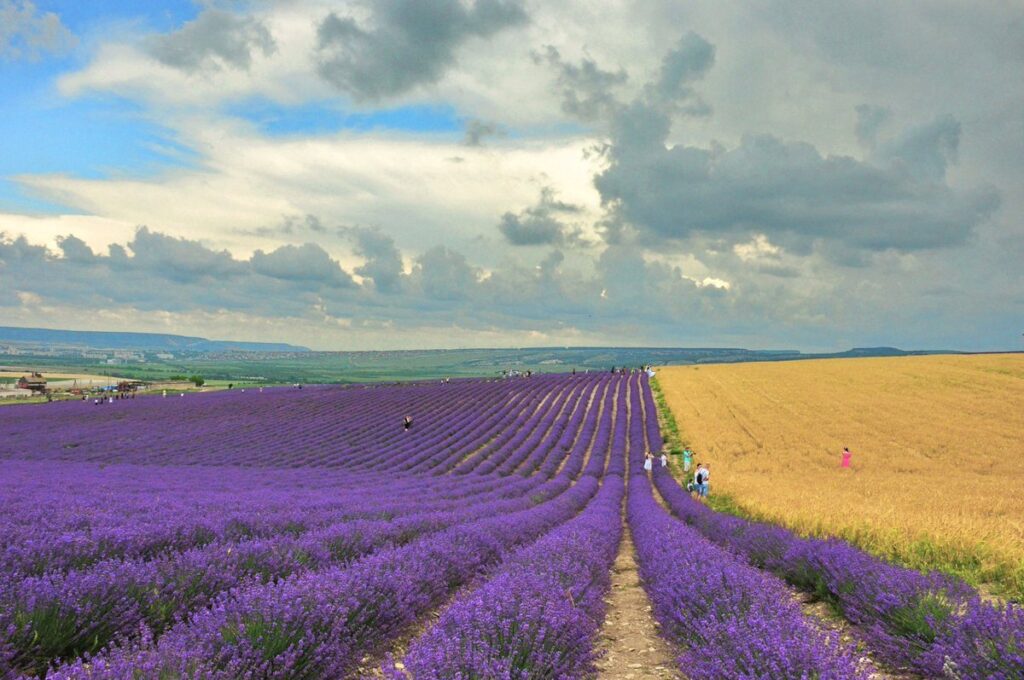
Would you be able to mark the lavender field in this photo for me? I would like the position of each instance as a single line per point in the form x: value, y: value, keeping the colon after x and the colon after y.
x: 304, y: 533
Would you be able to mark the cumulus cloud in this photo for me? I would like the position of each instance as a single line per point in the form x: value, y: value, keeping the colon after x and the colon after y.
x: 442, y: 288
x: 178, y: 258
x: 215, y: 39
x: 542, y: 223
x: 688, y: 61
x: 407, y: 43
x: 788, y: 191
x: 588, y: 91
x: 28, y: 33
x: 444, y: 274
x: 157, y: 272
x: 383, y: 265
x: 924, y: 151
x: 308, y: 263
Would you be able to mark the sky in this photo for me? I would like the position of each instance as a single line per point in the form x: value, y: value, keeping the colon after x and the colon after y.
x: 398, y: 174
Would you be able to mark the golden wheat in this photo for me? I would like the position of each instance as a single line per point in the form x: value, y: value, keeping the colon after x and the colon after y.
x: 938, y: 468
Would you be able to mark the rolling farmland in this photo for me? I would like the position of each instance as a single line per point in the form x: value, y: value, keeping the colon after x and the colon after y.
x: 304, y: 533
x: 936, y: 474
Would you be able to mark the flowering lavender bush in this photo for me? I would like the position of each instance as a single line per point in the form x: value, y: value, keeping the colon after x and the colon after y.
x: 731, y: 620
x: 279, y: 534
x: 539, y: 616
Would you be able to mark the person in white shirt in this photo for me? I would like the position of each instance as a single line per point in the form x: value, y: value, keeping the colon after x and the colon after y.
x: 704, y: 473
x: 664, y: 459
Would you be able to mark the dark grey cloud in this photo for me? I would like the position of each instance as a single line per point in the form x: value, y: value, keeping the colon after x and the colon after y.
x: 215, y: 39
x: 444, y: 274
x: 28, y: 33
x: 289, y: 226
x: 75, y: 249
x: 540, y: 224
x: 621, y: 295
x: 179, y: 258
x: 588, y: 91
x: 383, y: 260
x: 157, y: 272
x: 924, y: 151
x: 477, y: 130
x: 689, y: 61
x: 789, y: 191
x: 896, y: 199
x: 870, y: 120
x: 407, y: 42
x: 308, y: 262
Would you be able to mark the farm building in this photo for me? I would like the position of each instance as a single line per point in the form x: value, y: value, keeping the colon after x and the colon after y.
x: 34, y: 382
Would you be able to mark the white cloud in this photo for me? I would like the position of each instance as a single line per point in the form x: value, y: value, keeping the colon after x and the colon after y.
x: 758, y: 248
x: 247, y: 183
x: 28, y: 33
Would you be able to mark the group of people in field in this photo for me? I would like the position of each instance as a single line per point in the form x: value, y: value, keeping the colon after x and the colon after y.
x: 701, y: 484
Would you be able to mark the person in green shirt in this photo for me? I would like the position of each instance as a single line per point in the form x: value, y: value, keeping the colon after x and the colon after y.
x: 687, y: 459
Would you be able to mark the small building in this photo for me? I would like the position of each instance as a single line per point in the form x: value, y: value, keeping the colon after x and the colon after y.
x: 34, y: 382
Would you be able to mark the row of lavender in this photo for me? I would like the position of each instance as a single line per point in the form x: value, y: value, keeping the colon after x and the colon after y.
x: 538, y: 616
x: 315, y: 426
x: 220, y: 602
x: 423, y: 571
x: 98, y: 513
x: 735, y: 620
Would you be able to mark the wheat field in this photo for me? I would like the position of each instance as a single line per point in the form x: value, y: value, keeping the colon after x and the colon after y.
x: 937, y: 476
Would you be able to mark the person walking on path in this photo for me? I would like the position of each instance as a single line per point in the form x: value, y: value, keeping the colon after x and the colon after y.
x: 664, y: 459
x: 407, y: 423
x: 846, y: 457
x: 648, y: 461
x: 687, y: 459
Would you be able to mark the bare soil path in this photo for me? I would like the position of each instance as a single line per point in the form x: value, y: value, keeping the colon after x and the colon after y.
x: 629, y: 640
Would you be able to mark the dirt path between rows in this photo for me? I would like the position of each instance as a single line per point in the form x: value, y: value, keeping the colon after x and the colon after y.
x: 629, y: 643
x: 629, y: 640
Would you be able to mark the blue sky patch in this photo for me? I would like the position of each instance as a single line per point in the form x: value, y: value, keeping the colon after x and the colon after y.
x: 323, y: 118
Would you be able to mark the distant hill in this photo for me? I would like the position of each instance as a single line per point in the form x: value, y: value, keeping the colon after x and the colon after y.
x: 153, y: 342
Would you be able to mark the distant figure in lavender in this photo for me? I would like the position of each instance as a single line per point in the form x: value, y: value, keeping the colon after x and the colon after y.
x: 407, y: 423
x: 648, y: 461
x: 664, y: 459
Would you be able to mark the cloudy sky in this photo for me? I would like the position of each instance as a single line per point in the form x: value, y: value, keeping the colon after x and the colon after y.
x: 800, y: 174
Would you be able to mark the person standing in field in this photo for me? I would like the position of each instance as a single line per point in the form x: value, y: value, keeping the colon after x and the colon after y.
x: 846, y: 457
x: 648, y: 461
x: 407, y: 423
x: 664, y: 459
x: 687, y: 459
x: 705, y: 483
x: 700, y: 481
x: 694, y: 486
